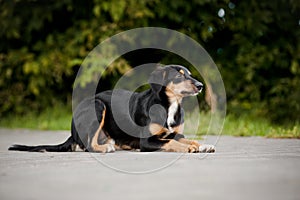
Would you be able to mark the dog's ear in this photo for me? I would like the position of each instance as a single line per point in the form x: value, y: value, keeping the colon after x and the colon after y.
x: 157, y: 79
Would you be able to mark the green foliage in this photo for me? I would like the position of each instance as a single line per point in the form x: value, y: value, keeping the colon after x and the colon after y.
x: 264, y: 58
x: 254, y: 43
x: 243, y: 125
x: 51, y: 118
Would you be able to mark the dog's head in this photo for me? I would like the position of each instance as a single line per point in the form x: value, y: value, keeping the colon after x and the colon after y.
x: 175, y: 81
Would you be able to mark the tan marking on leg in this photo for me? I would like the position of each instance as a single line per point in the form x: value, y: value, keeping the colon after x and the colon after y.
x: 122, y: 147
x: 179, y: 129
x: 126, y: 147
x: 190, y: 142
x: 175, y: 146
x: 104, y: 148
x: 202, y: 148
x: 132, y: 145
x: 157, y: 129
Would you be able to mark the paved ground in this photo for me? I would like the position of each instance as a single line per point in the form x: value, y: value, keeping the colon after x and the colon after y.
x: 242, y: 168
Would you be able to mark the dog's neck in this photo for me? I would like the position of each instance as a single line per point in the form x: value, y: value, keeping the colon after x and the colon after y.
x: 172, y: 110
x: 171, y: 103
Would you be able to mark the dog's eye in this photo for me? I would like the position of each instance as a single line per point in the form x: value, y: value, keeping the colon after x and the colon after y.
x: 179, y: 75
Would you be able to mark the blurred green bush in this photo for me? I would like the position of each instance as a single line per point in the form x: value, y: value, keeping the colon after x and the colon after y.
x: 254, y: 43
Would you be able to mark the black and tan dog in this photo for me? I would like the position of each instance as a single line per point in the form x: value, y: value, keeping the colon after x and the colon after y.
x: 157, y: 110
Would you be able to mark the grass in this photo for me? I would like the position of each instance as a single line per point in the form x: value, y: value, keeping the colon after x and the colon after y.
x: 255, y: 126
x: 245, y: 125
x: 56, y: 118
x: 59, y: 118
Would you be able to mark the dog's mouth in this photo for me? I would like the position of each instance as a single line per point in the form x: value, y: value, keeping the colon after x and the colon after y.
x: 198, y: 91
x: 195, y: 91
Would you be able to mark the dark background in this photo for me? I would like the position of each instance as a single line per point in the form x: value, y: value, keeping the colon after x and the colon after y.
x: 255, y: 44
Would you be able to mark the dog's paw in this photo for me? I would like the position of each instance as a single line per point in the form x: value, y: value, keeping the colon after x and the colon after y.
x: 193, y: 149
x: 110, y: 148
x: 207, y: 148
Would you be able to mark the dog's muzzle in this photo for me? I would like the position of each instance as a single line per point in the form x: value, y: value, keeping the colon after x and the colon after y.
x: 199, y: 86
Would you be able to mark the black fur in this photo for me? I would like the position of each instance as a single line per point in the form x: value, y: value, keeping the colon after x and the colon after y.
x: 64, y: 147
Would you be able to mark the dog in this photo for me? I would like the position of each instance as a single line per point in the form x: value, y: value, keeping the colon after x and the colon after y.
x: 157, y: 112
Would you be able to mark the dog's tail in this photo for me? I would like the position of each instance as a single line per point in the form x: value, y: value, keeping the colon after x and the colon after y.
x: 68, y: 145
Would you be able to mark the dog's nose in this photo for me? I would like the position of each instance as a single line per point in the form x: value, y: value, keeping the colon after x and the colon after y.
x: 199, y: 85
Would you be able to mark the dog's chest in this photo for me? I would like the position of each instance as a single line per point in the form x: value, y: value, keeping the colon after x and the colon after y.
x: 172, y: 110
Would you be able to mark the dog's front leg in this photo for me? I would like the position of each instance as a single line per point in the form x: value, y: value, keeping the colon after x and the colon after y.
x: 176, y: 146
x: 203, y: 148
x: 167, y: 145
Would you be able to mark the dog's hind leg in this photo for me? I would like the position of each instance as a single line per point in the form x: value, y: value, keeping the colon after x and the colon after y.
x: 94, y: 138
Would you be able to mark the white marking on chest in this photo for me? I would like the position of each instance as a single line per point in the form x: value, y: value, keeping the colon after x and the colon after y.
x: 171, y: 114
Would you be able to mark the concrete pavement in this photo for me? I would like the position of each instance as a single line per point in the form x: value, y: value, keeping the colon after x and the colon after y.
x: 241, y: 168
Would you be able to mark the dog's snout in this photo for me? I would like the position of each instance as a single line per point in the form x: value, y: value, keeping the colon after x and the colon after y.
x: 199, y: 85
